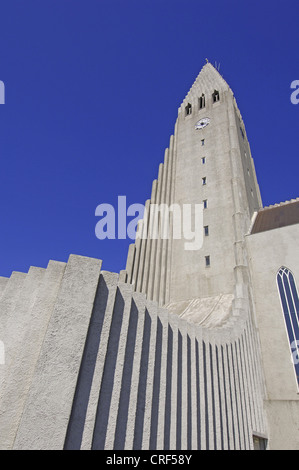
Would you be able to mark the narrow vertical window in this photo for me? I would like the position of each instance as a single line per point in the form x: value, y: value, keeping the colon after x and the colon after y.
x: 204, y: 181
x: 203, y: 160
x: 202, y: 101
x: 206, y: 230
x: 215, y: 96
x: 208, y: 261
x: 205, y: 203
x: 202, y: 141
x: 188, y: 109
x: 290, y: 306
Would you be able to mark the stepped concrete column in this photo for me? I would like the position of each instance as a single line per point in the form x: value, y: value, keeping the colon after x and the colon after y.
x: 54, y: 382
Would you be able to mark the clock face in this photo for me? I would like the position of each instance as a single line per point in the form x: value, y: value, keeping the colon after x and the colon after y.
x: 202, y: 123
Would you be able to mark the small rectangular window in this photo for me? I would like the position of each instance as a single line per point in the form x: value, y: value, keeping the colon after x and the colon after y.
x: 216, y: 96
x: 206, y: 230
x: 259, y: 443
x: 202, y: 141
x: 201, y: 102
x: 188, y: 109
x: 205, y: 203
x: 204, y: 181
x: 208, y: 262
x: 203, y: 160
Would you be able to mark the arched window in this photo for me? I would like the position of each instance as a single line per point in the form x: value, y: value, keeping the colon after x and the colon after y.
x: 290, y: 307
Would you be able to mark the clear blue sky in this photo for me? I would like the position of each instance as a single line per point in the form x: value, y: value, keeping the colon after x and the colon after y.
x: 92, y: 92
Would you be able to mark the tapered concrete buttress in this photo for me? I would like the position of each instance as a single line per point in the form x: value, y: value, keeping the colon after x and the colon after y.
x: 130, y: 262
x: 183, y: 431
x: 99, y: 337
x: 121, y: 357
x: 161, y: 398
x: 157, y: 280
x: 172, y: 393
x: 149, y: 243
x: 54, y: 382
x: 154, y: 227
x: 10, y: 296
x: 8, y: 301
x: 3, y: 282
x: 149, y: 347
x: 138, y: 245
x: 144, y: 242
x: 17, y: 368
x: 134, y: 429
x: 104, y: 423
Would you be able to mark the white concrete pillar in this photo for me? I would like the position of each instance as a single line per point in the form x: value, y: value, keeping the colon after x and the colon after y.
x: 149, y: 243
x: 17, y: 340
x: 163, y: 316
x: 158, y: 280
x: 184, y: 385
x: 152, y: 270
x: 100, y: 324
x: 174, y: 324
x: 44, y: 287
x: 130, y: 262
x: 152, y: 312
x: 3, y: 282
x: 55, y: 379
x: 136, y: 265
x: 126, y: 293
x: 144, y: 242
x: 138, y: 300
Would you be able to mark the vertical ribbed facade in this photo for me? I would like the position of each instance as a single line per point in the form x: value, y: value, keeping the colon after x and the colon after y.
x: 132, y: 375
x: 149, y: 258
x: 166, y: 384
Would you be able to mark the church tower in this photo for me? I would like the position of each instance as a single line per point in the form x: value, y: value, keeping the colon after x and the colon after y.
x: 208, y: 162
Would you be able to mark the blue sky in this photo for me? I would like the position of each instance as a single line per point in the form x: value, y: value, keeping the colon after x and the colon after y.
x: 92, y: 89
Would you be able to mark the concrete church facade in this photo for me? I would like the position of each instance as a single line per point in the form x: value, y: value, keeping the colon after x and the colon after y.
x: 184, y: 349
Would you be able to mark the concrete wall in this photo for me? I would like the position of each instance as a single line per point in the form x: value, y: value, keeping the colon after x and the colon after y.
x: 44, y: 316
x: 268, y: 252
x: 26, y: 307
x: 95, y: 365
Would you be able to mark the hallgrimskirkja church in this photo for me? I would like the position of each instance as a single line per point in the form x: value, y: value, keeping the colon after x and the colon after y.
x: 183, y: 349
